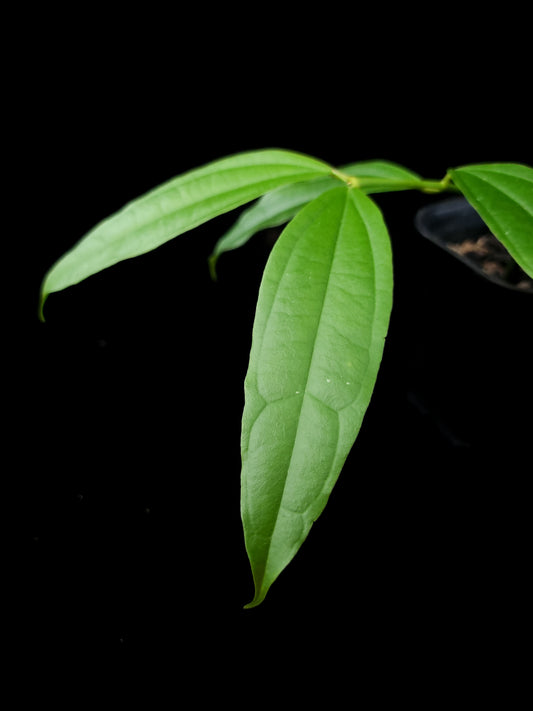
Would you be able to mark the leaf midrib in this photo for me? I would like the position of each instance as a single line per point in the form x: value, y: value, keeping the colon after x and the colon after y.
x: 189, y: 180
x: 309, y: 369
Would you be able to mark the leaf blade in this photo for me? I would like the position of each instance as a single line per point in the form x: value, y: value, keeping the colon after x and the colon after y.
x: 318, y: 338
x: 502, y: 194
x: 177, y: 206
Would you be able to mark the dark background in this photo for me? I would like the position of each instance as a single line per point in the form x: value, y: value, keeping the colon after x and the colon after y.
x: 125, y: 418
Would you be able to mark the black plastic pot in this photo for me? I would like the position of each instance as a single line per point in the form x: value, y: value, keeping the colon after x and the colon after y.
x: 455, y: 226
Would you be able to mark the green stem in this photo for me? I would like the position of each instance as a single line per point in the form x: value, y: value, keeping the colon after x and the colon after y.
x: 392, y: 184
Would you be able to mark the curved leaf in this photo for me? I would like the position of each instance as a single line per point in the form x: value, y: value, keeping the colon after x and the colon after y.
x: 176, y: 207
x: 318, y: 337
x: 502, y: 194
x: 273, y: 209
x: 281, y: 205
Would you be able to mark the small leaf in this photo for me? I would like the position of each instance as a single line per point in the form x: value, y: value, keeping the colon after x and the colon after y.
x: 273, y: 209
x: 176, y: 207
x: 281, y: 205
x: 318, y: 337
x: 502, y: 194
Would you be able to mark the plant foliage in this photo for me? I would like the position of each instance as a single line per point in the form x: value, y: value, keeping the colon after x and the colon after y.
x: 322, y: 313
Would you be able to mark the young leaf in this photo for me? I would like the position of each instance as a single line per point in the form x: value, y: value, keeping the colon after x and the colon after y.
x: 176, y: 207
x: 322, y: 316
x: 502, y: 193
x: 281, y: 205
x: 273, y: 209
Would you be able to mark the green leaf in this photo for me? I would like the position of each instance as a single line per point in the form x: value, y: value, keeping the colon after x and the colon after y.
x: 273, y: 209
x: 281, y: 205
x: 321, y: 320
x: 502, y: 194
x: 176, y: 207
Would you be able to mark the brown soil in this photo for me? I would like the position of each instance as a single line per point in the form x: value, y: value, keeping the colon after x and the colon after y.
x: 487, y: 255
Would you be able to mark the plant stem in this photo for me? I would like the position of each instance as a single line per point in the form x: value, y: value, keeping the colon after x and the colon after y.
x: 393, y: 184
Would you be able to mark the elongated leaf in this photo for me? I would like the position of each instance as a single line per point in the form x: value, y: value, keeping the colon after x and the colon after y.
x: 281, y: 205
x: 502, y: 194
x: 321, y: 319
x: 273, y: 209
x: 178, y: 206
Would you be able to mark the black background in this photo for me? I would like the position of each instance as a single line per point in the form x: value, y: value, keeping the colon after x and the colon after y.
x: 125, y: 413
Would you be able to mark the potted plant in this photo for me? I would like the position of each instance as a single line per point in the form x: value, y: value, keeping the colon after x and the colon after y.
x: 322, y: 314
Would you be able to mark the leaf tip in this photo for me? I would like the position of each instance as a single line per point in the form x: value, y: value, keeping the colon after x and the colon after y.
x: 212, y: 263
x: 42, y: 298
x: 258, y: 599
x: 262, y: 587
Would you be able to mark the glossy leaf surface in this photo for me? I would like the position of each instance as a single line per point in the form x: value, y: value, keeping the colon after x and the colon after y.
x: 502, y: 194
x: 178, y: 206
x: 281, y: 205
x: 321, y: 320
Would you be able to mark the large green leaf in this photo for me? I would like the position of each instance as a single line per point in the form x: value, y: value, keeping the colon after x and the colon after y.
x: 318, y: 337
x: 502, y: 193
x: 178, y: 206
x: 279, y: 206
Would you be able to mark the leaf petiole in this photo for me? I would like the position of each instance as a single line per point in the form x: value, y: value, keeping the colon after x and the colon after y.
x: 350, y: 180
x: 394, y: 184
